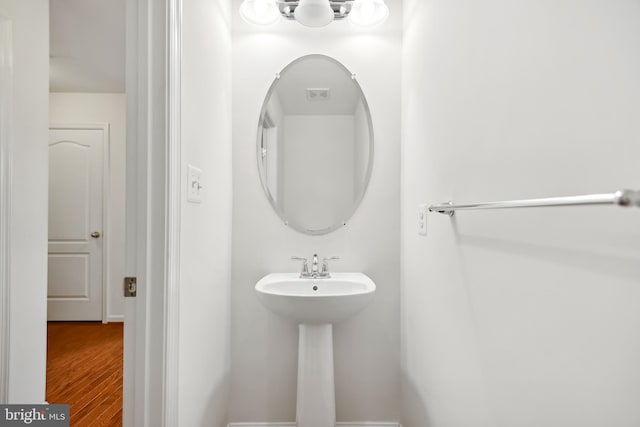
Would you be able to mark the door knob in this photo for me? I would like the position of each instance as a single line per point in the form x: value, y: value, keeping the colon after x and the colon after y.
x: 95, y: 234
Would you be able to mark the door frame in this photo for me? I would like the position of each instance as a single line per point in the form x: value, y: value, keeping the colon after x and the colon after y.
x: 106, y: 197
x: 154, y: 196
x: 6, y: 101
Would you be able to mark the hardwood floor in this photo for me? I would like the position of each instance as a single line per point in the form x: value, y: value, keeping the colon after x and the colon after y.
x: 84, y: 370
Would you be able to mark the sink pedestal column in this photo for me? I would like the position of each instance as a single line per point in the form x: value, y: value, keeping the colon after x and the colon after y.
x: 316, y: 405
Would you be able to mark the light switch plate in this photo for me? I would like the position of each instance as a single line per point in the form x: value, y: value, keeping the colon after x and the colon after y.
x: 194, y: 185
x: 423, y: 211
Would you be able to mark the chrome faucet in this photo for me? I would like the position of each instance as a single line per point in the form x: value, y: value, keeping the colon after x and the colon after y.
x: 315, y: 272
x: 314, y: 266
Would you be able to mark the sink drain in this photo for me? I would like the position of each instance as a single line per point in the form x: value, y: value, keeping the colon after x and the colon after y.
x: 315, y: 288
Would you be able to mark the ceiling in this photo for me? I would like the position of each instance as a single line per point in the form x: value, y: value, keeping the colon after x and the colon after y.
x: 87, y: 46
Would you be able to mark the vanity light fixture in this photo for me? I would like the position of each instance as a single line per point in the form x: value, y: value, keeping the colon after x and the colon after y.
x: 369, y: 12
x: 260, y: 12
x: 314, y: 13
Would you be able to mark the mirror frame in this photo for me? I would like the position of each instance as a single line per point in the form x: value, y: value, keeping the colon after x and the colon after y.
x: 261, y: 171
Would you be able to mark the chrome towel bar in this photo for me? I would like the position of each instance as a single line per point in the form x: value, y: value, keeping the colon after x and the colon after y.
x: 620, y: 198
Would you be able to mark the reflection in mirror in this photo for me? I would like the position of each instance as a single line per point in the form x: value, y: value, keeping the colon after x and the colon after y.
x: 315, y: 144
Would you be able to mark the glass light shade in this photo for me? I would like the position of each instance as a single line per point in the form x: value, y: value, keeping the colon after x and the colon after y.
x: 260, y: 12
x: 369, y: 12
x: 314, y: 13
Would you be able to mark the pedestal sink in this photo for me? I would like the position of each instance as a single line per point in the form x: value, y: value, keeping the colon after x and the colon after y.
x: 315, y: 304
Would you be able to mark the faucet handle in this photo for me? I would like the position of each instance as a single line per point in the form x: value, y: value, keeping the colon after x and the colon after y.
x: 325, y: 263
x: 305, y: 265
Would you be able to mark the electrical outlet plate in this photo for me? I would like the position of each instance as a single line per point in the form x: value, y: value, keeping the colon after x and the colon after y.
x: 423, y: 211
x: 194, y: 185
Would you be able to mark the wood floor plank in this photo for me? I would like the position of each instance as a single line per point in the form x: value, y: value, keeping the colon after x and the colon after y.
x: 84, y: 370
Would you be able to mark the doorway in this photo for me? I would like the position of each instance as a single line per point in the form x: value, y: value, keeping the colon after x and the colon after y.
x: 87, y: 193
x: 148, y: 366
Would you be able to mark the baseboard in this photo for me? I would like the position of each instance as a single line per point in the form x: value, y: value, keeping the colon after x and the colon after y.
x: 349, y: 424
x: 115, y: 318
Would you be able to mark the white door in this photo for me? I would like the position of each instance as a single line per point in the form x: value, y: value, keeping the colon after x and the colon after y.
x: 75, y: 278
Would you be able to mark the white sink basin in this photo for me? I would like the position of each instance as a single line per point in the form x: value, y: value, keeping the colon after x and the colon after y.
x: 316, y: 304
x: 316, y: 301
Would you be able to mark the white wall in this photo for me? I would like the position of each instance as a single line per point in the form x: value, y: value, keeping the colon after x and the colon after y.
x: 206, y: 227
x: 521, y: 317
x: 81, y: 108
x: 263, y: 345
x: 28, y: 240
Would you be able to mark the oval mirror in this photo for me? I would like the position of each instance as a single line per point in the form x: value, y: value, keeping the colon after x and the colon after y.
x: 315, y: 144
